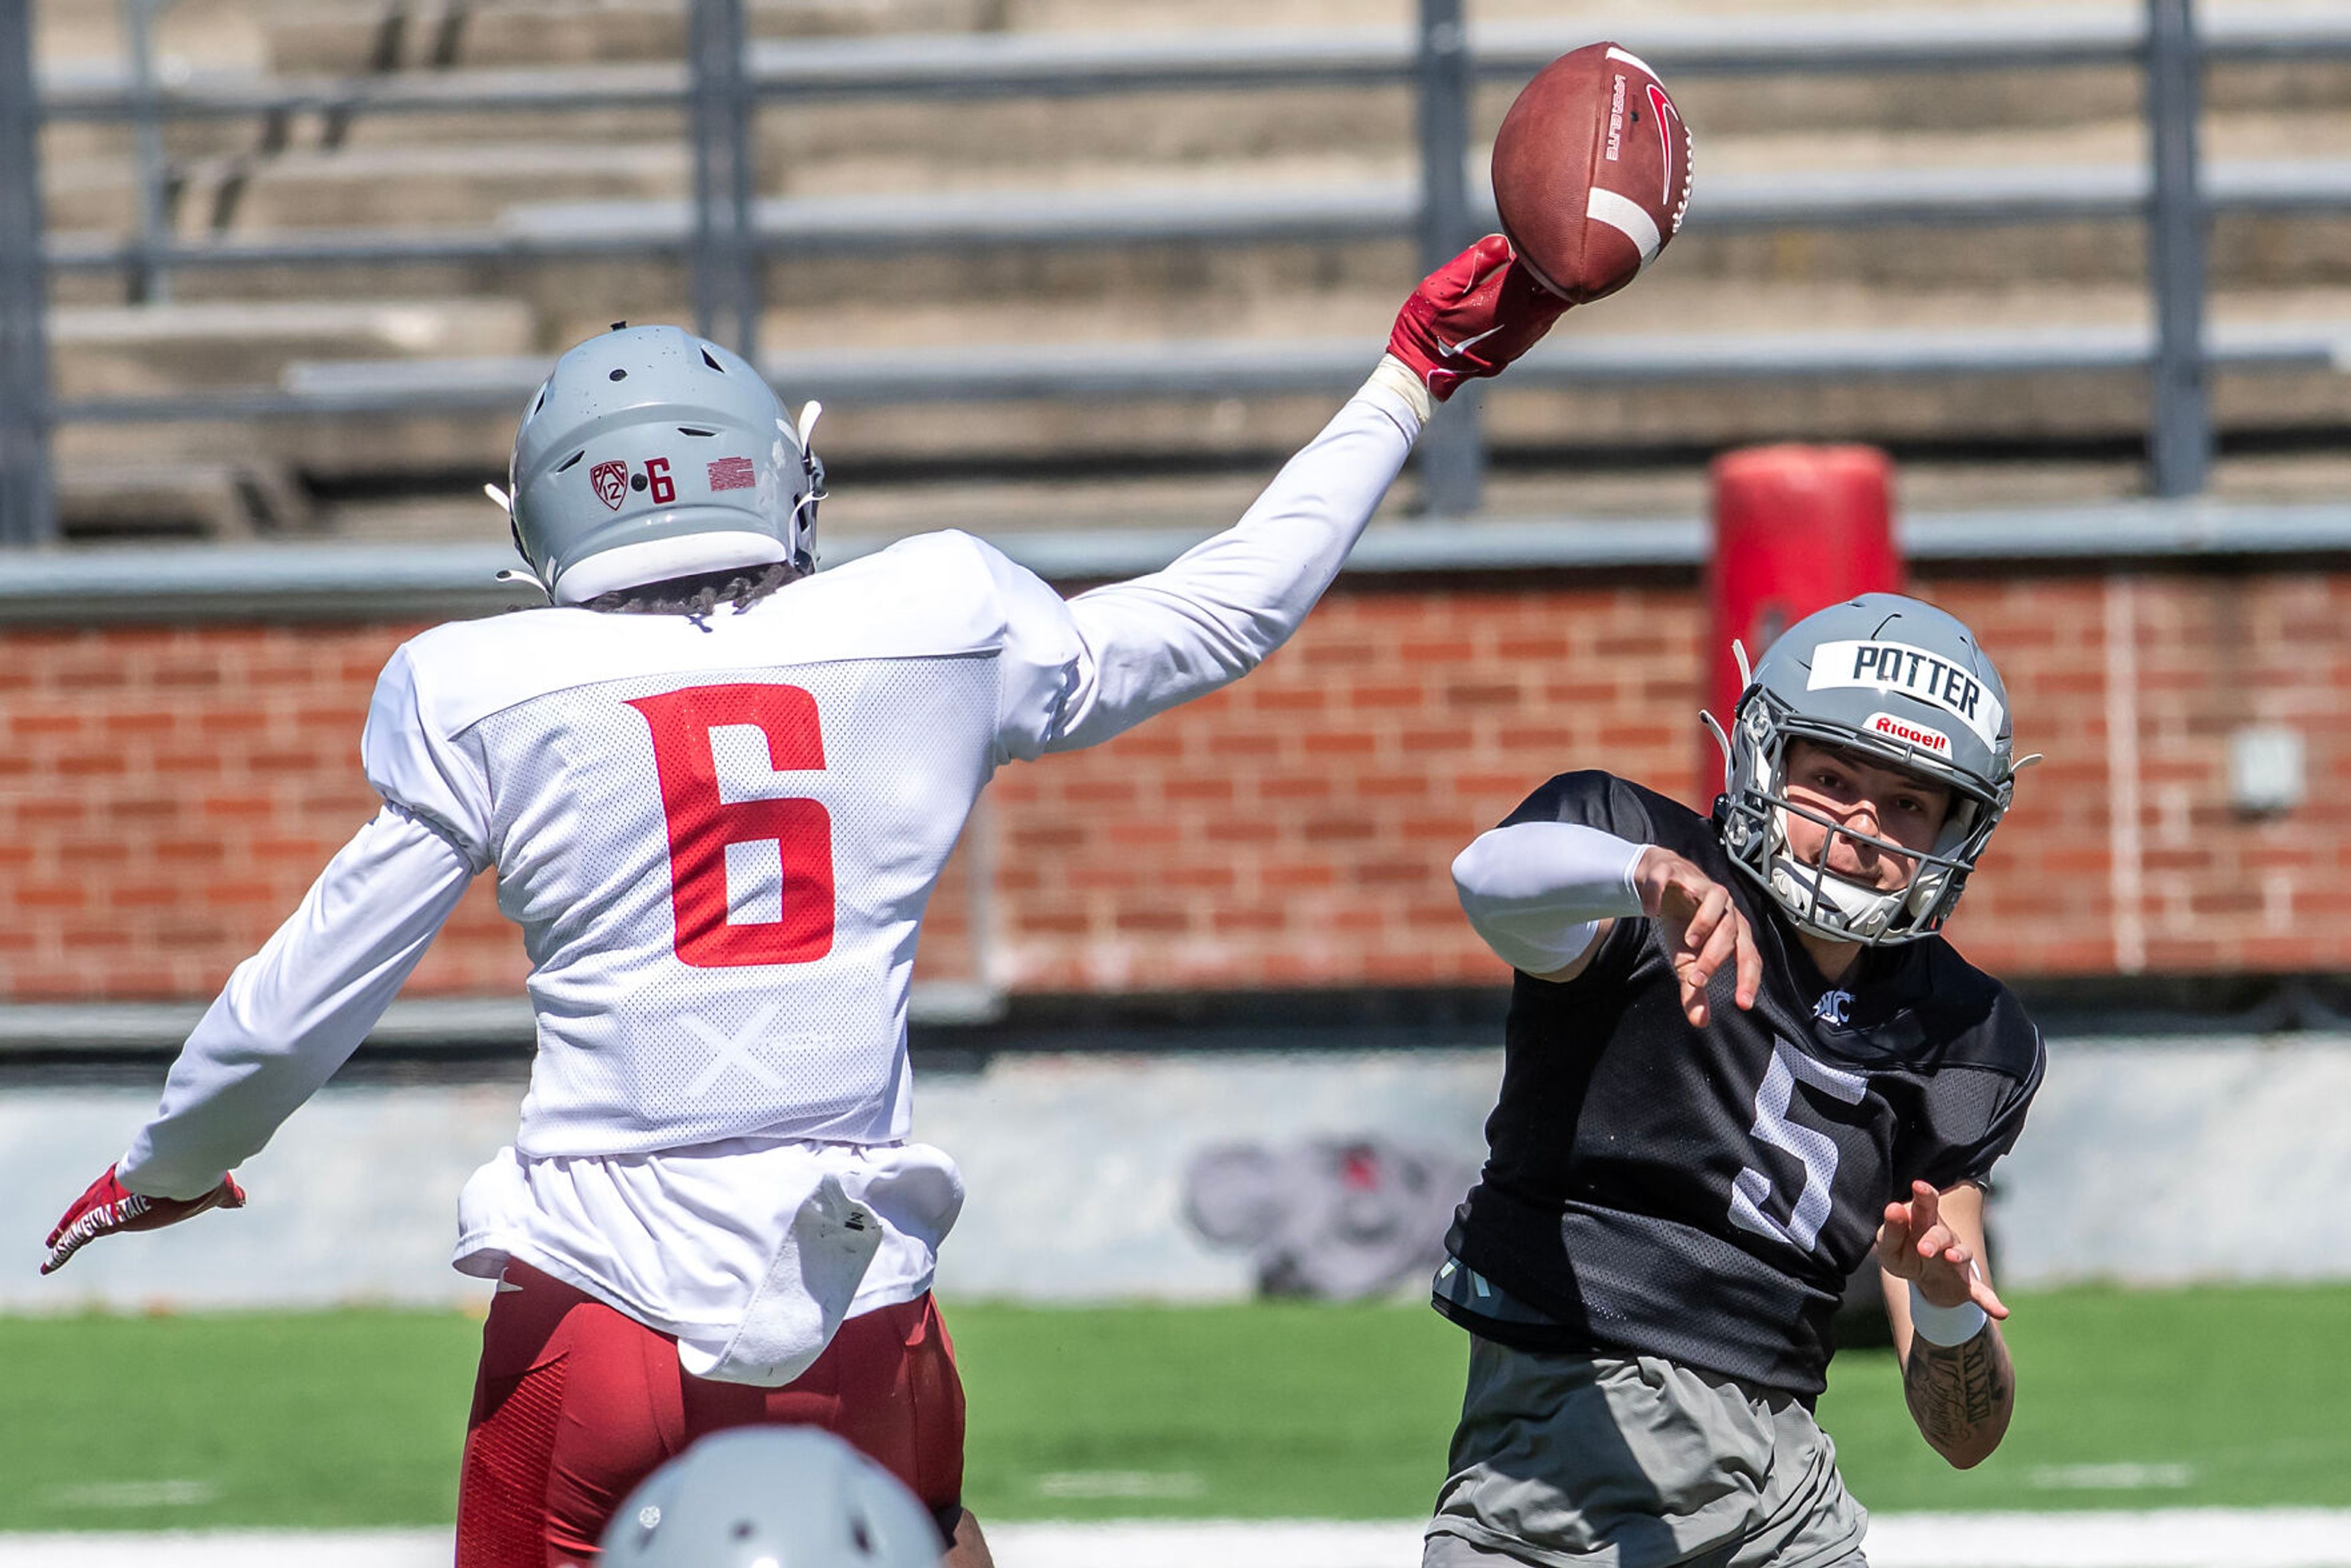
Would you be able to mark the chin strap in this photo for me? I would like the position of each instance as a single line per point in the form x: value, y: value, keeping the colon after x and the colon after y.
x: 1714, y: 725
x: 1865, y: 914
x: 522, y: 573
x: 812, y: 492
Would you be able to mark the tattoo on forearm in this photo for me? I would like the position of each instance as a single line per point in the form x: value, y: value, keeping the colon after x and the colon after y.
x: 1955, y: 1391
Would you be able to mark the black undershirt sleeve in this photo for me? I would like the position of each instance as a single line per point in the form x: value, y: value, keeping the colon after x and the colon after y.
x: 2011, y: 1097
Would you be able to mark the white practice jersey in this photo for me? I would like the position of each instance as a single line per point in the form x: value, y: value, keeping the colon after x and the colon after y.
x: 718, y: 834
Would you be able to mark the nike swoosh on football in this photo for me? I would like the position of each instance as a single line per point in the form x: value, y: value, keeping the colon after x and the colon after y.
x: 1466, y: 344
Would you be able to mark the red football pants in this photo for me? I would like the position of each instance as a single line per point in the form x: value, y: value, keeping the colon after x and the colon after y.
x: 576, y: 1403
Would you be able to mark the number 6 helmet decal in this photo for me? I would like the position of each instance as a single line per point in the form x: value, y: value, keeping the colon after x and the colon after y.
x: 652, y: 454
x: 1902, y: 685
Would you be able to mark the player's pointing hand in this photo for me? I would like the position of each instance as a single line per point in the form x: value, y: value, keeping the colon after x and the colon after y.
x: 1704, y: 930
x: 1914, y: 1243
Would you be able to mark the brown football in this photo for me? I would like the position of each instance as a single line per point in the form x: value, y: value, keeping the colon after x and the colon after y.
x: 1591, y: 171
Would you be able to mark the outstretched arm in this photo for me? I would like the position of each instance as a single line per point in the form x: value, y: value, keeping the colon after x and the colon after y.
x: 288, y: 1018
x: 1544, y: 896
x: 1957, y: 1376
x: 1221, y: 608
x: 295, y: 1011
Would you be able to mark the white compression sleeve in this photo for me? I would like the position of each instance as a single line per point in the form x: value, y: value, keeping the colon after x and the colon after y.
x: 1213, y: 615
x: 1536, y: 892
x: 295, y: 1011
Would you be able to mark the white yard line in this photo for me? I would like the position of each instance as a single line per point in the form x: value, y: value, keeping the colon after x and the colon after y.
x: 2159, y: 1537
x: 230, y: 1549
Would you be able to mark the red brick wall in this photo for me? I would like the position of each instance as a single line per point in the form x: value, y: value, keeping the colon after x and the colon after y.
x: 167, y: 792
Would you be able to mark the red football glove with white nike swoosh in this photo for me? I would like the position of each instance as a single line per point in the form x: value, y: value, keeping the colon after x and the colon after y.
x: 109, y: 1206
x: 1471, y: 317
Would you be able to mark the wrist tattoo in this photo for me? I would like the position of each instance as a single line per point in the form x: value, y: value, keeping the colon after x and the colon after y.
x: 1954, y: 1390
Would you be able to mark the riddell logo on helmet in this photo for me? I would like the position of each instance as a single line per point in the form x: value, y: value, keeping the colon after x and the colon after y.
x: 611, y: 482
x: 1916, y: 735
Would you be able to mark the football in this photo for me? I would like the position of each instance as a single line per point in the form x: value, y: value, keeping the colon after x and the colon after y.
x: 1591, y: 171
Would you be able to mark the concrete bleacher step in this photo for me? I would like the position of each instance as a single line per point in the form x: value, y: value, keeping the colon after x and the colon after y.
x: 1548, y: 441
x: 1793, y: 285
x: 1038, y: 154
x: 1220, y: 242
x: 420, y: 187
x: 239, y: 497
x: 189, y: 35
x: 449, y: 185
x: 378, y: 35
x: 1958, y: 101
x: 186, y: 347
x: 1994, y: 369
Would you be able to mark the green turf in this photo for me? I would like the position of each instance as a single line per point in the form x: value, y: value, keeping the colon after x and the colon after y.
x: 2218, y: 1396
x: 1269, y: 1410
x: 325, y: 1419
x: 2241, y: 1393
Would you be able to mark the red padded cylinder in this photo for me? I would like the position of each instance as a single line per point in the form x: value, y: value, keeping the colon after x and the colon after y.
x: 1796, y: 528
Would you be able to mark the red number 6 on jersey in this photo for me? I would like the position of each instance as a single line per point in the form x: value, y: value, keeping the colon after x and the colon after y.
x: 702, y: 824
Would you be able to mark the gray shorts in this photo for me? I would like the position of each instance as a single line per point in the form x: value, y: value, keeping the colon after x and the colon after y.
x: 1579, y: 1461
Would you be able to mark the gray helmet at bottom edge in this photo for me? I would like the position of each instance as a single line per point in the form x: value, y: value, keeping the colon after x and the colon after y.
x: 771, y: 1496
x: 650, y: 453
x: 1902, y: 684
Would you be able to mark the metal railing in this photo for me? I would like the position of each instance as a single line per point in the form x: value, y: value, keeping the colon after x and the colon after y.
x: 724, y: 232
x: 28, y: 514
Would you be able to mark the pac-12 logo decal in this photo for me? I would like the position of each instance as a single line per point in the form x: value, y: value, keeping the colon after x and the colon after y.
x: 611, y: 482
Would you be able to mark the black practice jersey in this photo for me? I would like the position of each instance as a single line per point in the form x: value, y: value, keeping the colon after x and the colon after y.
x: 1703, y: 1194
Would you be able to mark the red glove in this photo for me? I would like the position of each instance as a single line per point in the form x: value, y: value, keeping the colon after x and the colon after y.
x: 1471, y: 317
x: 109, y: 1206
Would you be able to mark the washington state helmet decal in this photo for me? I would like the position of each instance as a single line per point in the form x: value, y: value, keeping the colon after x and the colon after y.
x: 611, y: 482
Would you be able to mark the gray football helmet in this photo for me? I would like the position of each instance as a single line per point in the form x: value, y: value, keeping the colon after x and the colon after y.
x: 1904, y: 685
x: 771, y: 1496
x: 652, y: 454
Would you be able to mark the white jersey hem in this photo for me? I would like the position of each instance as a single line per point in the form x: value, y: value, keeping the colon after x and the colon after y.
x: 485, y: 1255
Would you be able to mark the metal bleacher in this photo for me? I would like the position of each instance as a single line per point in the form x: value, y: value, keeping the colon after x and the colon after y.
x: 727, y: 233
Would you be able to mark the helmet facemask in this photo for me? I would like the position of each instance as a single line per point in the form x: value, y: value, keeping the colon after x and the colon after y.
x: 1816, y: 899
